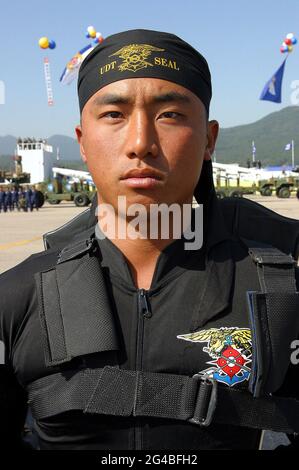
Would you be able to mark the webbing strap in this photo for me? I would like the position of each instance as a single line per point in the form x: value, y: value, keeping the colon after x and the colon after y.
x: 276, y: 270
x: 118, y: 392
x: 76, y: 249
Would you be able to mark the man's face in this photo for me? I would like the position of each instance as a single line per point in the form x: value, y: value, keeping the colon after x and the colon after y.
x: 154, y: 129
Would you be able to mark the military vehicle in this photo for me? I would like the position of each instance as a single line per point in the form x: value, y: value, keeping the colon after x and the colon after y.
x: 283, y: 187
x: 231, y: 186
x: 81, y: 193
x: 16, y: 177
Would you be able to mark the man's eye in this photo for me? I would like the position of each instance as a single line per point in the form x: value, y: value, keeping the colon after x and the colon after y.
x: 170, y: 115
x: 113, y: 114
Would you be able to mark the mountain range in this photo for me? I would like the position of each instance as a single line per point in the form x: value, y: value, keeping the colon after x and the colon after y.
x: 270, y: 135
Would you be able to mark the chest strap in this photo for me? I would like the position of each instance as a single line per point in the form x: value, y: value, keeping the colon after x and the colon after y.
x: 124, y: 393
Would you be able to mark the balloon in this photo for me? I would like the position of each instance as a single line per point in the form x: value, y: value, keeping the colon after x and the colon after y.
x: 43, y: 42
x: 290, y: 48
x: 294, y: 40
x: 284, y: 48
x: 93, y: 34
x: 288, y: 42
x: 98, y: 40
x: 290, y: 36
x: 87, y: 35
x: 52, y: 44
x: 91, y: 29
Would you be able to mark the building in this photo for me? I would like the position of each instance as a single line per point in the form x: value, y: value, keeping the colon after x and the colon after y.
x: 37, y: 158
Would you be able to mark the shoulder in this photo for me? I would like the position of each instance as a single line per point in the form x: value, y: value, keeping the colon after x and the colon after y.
x: 247, y: 219
x: 17, y: 288
x: 25, y: 270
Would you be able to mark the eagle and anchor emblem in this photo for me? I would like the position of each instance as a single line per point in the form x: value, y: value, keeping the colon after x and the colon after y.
x: 230, y: 349
x: 135, y: 56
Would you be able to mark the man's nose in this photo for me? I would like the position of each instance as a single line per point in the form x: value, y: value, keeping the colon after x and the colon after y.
x: 142, y: 139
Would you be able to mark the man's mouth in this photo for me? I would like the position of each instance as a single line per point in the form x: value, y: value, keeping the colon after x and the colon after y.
x: 145, y: 178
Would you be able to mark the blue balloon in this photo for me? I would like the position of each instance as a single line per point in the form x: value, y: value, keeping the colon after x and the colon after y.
x: 294, y: 41
x: 96, y: 41
x: 87, y: 35
x: 52, y: 44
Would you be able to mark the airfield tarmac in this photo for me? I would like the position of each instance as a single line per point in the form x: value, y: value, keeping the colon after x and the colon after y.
x: 21, y: 232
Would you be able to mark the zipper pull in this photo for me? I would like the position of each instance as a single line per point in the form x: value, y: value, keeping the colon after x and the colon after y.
x: 145, y: 307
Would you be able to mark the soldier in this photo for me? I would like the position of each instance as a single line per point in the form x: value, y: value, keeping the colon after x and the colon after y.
x: 21, y: 199
x: 143, y: 342
x: 28, y: 194
x: 33, y: 199
x: 15, y: 198
x: 8, y: 200
x: 2, y: 199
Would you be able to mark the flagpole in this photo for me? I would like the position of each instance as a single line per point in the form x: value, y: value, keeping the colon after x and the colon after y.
x: 293, y: 154
x: 253, y: 151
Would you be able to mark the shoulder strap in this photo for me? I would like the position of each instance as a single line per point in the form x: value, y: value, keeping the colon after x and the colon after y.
x: 273, y: 314
x: 72, y: 299
x: 197, y: 400
x: 276, y: 270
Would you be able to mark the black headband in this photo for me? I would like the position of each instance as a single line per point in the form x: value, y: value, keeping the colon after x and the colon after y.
x: 142, y: 53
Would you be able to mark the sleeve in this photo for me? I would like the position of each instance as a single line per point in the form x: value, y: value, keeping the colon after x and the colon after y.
x: 13, y: 400
x: 13, y: 409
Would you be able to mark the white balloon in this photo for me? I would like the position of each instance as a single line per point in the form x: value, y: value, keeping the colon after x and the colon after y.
x: 290, y: 36
x: 90, y: 29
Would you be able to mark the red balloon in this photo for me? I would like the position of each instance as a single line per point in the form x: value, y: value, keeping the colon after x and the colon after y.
x: 288, y: 41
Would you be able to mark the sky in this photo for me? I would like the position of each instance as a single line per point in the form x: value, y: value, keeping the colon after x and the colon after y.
x: 240, y: 40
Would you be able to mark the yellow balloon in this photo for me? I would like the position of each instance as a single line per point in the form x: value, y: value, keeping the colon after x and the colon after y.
x: 93, y: 34
x: 43, y: 43
x: 290, y: 48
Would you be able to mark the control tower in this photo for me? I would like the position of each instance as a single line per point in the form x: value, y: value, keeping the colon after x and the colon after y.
x: 37, y: 158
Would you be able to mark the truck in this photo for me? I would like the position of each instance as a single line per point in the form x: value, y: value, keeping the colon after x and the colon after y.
x: 283, y: 187
x: 69, y: 185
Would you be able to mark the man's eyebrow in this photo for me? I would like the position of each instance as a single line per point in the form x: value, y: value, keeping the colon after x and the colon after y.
x: 171, y: 97
x: 114, y: 98
x: 111, y: 98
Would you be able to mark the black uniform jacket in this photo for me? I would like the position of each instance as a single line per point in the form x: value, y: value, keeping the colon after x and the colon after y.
x: 200, y: 292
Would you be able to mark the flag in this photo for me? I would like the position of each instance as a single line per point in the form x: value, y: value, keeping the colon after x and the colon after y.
x: 253, y: 148
x: 272, y: 89
x: 71, y: 70
x: 288, y: 146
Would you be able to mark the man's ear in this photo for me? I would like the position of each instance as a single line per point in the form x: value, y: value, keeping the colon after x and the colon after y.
x: 212, y: 134
x: 79, y: 134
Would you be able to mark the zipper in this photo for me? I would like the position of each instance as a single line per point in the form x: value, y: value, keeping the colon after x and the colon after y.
x: 143, y: 312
